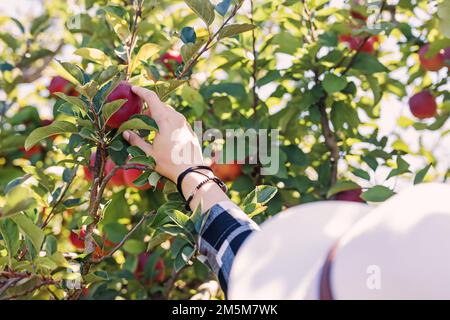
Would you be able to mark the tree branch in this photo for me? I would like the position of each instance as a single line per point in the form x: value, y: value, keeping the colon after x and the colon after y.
x: 125, y: 238
x: 193, y: 61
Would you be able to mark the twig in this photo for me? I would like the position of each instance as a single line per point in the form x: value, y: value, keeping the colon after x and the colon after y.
x: 255, y: 103
x: 310, y: 23
x: 330, y: 141
x: 61, y: 198
x: 171, y: 282
x: 361, y: 44
x: 125, y: 238
x: 36, y: 74
x: 193, y: 61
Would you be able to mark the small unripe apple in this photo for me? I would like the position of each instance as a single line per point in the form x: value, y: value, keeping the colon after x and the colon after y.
x: 159, y: 268
x: 227, y: 172
x: 131, y: 107
x: 78, y: 240
x: 433, y: 63
x: 350, y: 195
x: 423, y: 105
x: 59, y: 84
x: 117, y: 179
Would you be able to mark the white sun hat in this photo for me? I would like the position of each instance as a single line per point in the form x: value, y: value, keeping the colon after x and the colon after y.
x: 397, y: 250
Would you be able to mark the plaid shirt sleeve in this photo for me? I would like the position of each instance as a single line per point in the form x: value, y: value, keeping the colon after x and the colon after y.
x: 225, y: 230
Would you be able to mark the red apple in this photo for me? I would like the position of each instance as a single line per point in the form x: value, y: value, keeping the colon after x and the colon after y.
x: 227, y: 172
x: 357, y: 15
x: 132, y: 174
x: 118, y: 178
x: 46, y: 122
x: 59, y: 84
x: 28, y: 154
x: 88, y: 170
x: 131, y: 107
x: 78, y: 239
x: 355, y: 42
x: 423, y: 105
x: 171, y: 60
x: 159, y: 267
x: 433, y: 63
x: 350, y: 195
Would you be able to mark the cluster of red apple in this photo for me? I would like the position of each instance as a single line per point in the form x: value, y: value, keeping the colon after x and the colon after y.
x: 423, y: 104
x: 358, y: 42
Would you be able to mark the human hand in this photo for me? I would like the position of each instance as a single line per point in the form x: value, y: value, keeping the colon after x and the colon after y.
x: 175, y: 146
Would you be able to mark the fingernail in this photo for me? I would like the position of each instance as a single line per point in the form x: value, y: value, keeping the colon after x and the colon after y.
x: 126, y: 135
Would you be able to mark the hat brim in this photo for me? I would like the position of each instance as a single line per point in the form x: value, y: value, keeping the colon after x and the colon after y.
x: 284, y: 260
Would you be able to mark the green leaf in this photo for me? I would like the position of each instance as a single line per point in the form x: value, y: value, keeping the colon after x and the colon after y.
x: 39, y: 24
x: 57, y: 127
x: 178, y: 217
x: 342, y: 186
x: 262, y: 194
x: 117, y: 208
x: 51, y: 245
x: 194, y: 99
x: 145, y: 160
x: 157, y: 240
x: 112, y: 107
x: 17, y: 200
x: 116, y: 145
x: 362, y: 174
x: 94, y: 55
x: 253, y: 209
x: 10, y: 234
x: 332, y: 83
x: 222, y: 7
x: 203, y: 8
x: 73, y: 101
x: 115, y: 231
x: 402, y: 167
x: 145, y: 53
x: 119, y: 25
x: 376, y: 89
x: 16, y: 182
x: 183, y: 257
x: 135, y: 124
x: 188, y: 50
x: 164, y: 89
x: 420, y: 175
x: 377, y: 194
x: 74, y: 70
x: 368, y: 64
x: 33, y: 232
x: 235, y: 29
x: 135, y: 151
x: 134, y: 246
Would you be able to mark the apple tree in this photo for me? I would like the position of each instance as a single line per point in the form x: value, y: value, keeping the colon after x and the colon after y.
x: 83, y: 215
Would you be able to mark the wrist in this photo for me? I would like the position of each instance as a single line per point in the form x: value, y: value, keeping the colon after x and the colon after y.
x: 192, y: 180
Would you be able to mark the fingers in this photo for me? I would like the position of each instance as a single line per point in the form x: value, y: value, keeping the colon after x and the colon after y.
x: 137, y: 141
x: 156, y: 106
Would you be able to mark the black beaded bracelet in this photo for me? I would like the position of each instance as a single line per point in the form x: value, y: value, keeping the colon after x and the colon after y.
x: 214, y: 179
x: 186, y: 172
